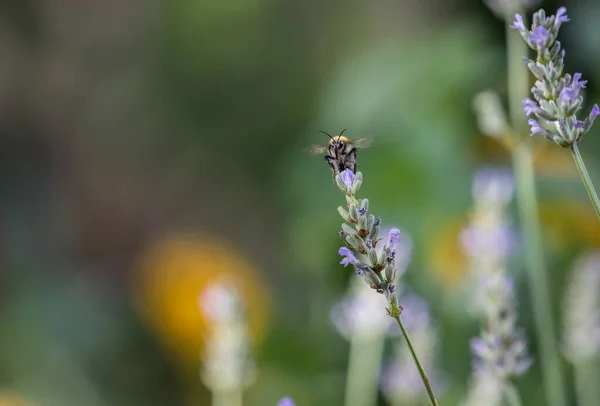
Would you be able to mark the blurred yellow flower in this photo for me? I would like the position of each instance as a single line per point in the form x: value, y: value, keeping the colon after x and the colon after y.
x: 447, y: 258
x: 7, y: 399
x: 170, y: 279
x: 570, y: 224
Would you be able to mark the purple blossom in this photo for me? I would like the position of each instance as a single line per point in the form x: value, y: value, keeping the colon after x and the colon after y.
x: 576, y: 83
x: 538, y: 36
x: 535, y: 127
x: 286, y: 402
x: 561, y: 17
x: 567, y: 95
x: 393, y: 236
x: 595, y: 112
x: 518, y: 23
x: 347, y: 177
x: 349, y: 257
x: 529, y: 106
x: 578, y: 124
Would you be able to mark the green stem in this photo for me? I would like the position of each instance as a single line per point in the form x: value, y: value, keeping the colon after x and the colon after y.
x: 586, y: 382
x: 550, y: 361
x: 227, y: 398
x: 511, y: 395
x: 585, y: 177
x: 518, y: 81
x: 364, y: 365
x: 416, y: 359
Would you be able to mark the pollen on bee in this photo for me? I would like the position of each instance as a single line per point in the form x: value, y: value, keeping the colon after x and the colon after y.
x: 339, y: 138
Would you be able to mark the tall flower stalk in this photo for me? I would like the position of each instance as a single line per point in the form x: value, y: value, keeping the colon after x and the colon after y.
x: 360, y: 233
x: 557, y: 99
x: 228, y: 369
x: 512, y: 134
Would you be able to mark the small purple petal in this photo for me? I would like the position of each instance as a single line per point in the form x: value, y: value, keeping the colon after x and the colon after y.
x: 561, y: 16
x: 518, y: 23
x: 578, y: 124
x: 286, y: 402
x: 478, y: 347
x: 529, y: 106
x: 577, y: 83
x: 595, y: 112
x: 535, y: 126
x: 347, y: 177
x: 393, y: 236
x: 349, y: 257
x: 539, y: 36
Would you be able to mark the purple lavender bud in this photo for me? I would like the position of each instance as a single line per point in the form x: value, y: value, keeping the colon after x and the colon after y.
x: 349, y: 257
x: 538, y: 36
x: 286, y: 402
x: 518, y: 23
x: 561, y: 17
x: 347, y: 178
x: 595, y: 112
x: 577, y: 83
x: 529, y: 106
x: 393, y: 237
x: 578, y: 124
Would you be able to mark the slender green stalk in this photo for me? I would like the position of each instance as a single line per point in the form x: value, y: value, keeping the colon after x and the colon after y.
x: 227, y: 398
x: 511, y: 395
x: 585, y: 177
x: 415, y: 358
x: 364, y: 365
x: 550, y: 361
x: 586, y: 382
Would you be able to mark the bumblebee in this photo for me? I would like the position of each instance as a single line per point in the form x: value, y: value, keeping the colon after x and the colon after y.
x: 340, y: 152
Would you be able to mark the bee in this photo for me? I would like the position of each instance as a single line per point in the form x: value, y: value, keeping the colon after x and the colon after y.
x: 340, y: 152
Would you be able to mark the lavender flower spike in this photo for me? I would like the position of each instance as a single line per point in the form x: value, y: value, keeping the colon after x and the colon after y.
x: 500, y: 351
x: 378, y: 266
x: 557, y: 99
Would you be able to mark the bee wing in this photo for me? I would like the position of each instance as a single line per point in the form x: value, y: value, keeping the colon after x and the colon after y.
x: 362, y: 142
x: 316, y: 150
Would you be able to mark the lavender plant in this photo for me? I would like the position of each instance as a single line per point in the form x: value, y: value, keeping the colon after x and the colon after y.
x: 500, y: 351
x: 512, y: 132
x: 360, y: 233
x: 581, y: 337
x: 557, y: 99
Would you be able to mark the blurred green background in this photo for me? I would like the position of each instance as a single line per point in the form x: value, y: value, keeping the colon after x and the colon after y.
x: 140, y: 137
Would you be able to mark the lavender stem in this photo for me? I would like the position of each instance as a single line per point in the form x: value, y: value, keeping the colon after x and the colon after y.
x: 395, y: 314
x: 512, y: 395
x: 585, y: 177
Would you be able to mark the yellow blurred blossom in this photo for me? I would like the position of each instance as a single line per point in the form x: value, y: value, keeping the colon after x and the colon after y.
x: 7, y: 399
x: 446, y: 254
x: 170, y: 279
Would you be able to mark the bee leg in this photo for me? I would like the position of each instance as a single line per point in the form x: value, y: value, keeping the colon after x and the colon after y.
x: 350, y: 161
